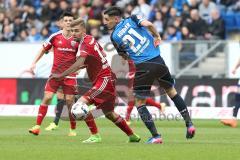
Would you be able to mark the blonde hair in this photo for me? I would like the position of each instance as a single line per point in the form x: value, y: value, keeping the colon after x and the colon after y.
x: 79, y: 22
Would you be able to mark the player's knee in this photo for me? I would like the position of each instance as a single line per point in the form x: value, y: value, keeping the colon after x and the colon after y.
x: 110, y: 116
x: 47, y: 99
x: 139, y: 102
x: 171, y: 92
x: 69, y: 102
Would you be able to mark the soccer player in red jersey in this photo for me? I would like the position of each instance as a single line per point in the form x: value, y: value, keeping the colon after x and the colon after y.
x: 65, y: 52
x: 131, y: 98
x: 103, y: 93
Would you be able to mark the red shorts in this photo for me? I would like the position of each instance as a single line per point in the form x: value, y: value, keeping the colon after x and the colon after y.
x: 68, y: 85
x: 103, y: 94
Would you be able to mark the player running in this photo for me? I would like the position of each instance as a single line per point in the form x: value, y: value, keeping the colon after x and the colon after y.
x: 132, y: 39
x: 103, y: 93
x: 131, y: 98
x: 65, y: 51
x: 59, y: 108
x: 233, y: 122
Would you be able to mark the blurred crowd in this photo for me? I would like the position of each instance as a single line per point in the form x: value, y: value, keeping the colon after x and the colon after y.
x: 35, y: 20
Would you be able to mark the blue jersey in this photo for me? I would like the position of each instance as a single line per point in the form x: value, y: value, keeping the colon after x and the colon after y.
x: 130, y: 38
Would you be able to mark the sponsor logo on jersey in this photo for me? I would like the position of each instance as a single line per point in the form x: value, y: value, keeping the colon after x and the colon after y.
x: 66, y: 49
x: 73, y: 43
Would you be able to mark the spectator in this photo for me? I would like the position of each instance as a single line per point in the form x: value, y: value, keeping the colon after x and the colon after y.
x: 128, y: 10
x: 164, y: 10
x: 178, y: 4
x: 185, y: 13
x: 83, y: 12
x: 96, y: 10
x: 94, y: 31
x: 196, y: 25
x: 186, y: 35
x: 2, y: 17
x: 193, y: 4
x: 216, y: 27
x: 12, y: 9
x: 142, y: 9
x: 172, y: 34
x: 64, y: 6
x: 22, y: 36
x: 45, y: 33
x: 205, y: 9
x: 34, y: 36
x: 8, y: 34
x: 178, y: 23
x: 158, y: 22
x: 187, y: 49
x: 18, y: 26
x: 172, y: 17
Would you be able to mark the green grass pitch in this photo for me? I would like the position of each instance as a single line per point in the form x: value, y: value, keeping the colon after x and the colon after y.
x: 212, y: 142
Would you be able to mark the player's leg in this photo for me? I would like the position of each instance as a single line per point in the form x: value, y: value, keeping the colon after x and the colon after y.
x: 121, y: 123
x: 151, y: 102
x: 69, y: 87
x: 89, y: 120
x: 69, y: 90
x: 50, y: 89
x: 142, y: 86
x: 233, y: 122
x: 167, y: 82
x: 69, y: 102
x: 131, y: 103
x: 42, y: 111
x: 182, y: 108
x: 59, y: 108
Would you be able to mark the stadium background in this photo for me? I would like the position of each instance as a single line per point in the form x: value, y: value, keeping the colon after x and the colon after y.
x: 200, y: 46
x: 200, y: 53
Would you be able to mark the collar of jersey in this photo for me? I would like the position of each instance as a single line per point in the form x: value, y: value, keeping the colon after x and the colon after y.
x: 82, y: 40
x: 118, y: 24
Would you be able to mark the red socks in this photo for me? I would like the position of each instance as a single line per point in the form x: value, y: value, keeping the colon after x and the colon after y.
x: 72, y: 121
x: 129, y: 110
x: 151, y: 102
x: 91, y: 124
x: 42, y: 111
x: 121, y: 123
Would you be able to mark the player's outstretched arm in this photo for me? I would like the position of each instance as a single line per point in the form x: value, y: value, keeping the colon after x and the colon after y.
x: 37, y: 58
x: 149, y: 25
x: 75, y: 67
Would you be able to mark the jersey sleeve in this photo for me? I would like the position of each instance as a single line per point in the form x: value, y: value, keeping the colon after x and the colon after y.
x: 47, y: 45
x: 137, y: 19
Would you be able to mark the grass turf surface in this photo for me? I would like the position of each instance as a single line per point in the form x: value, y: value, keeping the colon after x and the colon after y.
x: 212, y: 141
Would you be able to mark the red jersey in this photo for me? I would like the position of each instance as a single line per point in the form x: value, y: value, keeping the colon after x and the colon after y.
x: 96, y: 63
x: 64, y: 50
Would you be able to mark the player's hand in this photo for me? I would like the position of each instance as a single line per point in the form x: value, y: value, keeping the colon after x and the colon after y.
x: 32, y: 68
x: 58, y: 77
x: 157, y: 41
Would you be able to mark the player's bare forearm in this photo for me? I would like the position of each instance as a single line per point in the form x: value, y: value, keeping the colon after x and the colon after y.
x: 39, y: 56
x: 75, y: 67
x: 151, y: 28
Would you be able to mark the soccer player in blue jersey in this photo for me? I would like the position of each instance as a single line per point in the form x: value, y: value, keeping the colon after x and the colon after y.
x: 137, y: 39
